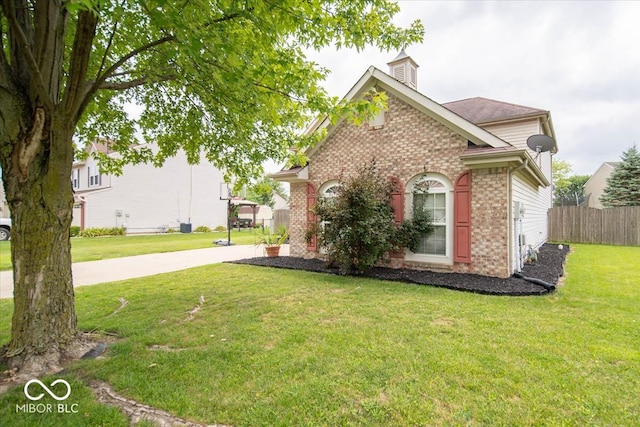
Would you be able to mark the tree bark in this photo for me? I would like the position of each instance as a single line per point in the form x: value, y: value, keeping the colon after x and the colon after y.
x: 38, y: 190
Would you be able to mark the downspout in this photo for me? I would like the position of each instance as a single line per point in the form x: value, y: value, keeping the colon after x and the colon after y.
x: 515, y: 247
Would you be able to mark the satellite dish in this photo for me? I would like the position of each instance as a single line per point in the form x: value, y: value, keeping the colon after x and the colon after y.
x: 540, y: 143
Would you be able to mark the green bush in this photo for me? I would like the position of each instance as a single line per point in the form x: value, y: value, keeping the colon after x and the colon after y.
x: 202, y: 229
x: 357, y: 226
x: 74, y: 231
x: 103, y: 231
x: 220, y: 228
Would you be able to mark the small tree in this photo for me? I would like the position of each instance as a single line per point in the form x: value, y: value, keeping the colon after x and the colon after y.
x: 623, y: 185
x: 568, y: 189
x: 573, y: 193
x: 263, y: 190
x: 357, y: 226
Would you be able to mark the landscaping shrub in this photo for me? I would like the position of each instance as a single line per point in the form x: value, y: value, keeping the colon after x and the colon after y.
x: 202, y: 229
x: 220, y: 228
x: 74, y: 231
x: 103, y: 231
x: 357, y: 227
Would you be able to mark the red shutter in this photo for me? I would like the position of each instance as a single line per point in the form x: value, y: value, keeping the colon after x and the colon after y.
x: 311, y: 217
x: 397, y: 200
x: 397, y: 204
x: 462, y: 219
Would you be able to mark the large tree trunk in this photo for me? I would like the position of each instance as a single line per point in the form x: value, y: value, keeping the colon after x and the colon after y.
x: 41, y: 102
x: 38, y: 189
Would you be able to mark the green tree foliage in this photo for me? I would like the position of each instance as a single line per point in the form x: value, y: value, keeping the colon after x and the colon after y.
x: 357, y: 226
x: 262, y: 191
x: 572, y: 192
x: 224, y: 78
x: 568, y: 189
x: 623, y: 185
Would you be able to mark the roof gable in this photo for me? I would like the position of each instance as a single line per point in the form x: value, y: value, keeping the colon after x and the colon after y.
x: 604, y: 169
x: 375, y: 77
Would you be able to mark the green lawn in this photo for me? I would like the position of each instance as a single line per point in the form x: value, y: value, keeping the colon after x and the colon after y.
x: 96, y: 248
x: 280, y: 348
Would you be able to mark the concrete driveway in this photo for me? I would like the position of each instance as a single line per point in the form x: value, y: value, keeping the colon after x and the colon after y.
x: 111, y: 270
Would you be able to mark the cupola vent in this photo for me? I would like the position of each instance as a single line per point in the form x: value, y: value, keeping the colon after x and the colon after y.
x: 404, y: 69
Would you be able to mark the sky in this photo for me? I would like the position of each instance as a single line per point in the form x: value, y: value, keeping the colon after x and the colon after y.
x: 580, y: 60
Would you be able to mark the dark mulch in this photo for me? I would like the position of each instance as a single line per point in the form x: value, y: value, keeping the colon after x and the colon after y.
x: 549, y: 267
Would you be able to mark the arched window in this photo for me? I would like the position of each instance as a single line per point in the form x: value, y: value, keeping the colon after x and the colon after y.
x: 434, y: 193
x: 329, y: 189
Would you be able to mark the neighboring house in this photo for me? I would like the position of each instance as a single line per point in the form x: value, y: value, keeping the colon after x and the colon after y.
x: 489, y: 193
x: 145, y: 198
x: 262, y: 214
x: 279, y: 202
x: 4, y: 206
x: 594, y: 187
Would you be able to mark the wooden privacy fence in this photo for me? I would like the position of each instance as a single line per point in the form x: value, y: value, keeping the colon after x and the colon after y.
x: 281, y: 217
x: 610, y: 226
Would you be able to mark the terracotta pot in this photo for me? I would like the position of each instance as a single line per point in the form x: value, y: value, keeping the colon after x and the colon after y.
x: 272, y: 251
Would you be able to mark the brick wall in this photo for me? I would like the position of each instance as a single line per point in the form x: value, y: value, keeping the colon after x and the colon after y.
x: 411, y: 143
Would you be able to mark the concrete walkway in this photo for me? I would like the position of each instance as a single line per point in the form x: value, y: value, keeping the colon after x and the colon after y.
x: 111, y: 270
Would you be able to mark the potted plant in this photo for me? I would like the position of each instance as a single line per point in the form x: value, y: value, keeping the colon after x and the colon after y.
x: 272, y: 240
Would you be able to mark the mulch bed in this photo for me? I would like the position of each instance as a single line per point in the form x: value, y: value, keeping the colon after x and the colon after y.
x: 549, y: 267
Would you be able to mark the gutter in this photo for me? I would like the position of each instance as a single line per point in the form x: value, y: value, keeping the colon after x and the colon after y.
x: 505, y: 158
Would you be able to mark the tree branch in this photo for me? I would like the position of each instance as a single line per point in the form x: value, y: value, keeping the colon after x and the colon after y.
x: 281, y: 92
x: 112, y: 69
x: 5, y: 70
x: 228, y: 17
x: 108, y: 48
x: 74, y: 97
x: 8, y: 7
x: 135, y: 83
x: 101, y: 80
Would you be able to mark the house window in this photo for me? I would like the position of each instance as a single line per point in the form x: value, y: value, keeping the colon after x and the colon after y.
x: 329, y: 190
x: 94, y: 176
x: 75, y: 179
x: 434, y: 193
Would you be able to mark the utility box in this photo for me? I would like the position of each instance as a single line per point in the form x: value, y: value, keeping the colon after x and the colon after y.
x: 185, y: 227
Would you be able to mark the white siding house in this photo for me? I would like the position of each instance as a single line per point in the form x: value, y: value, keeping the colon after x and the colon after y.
x: 148, y: 199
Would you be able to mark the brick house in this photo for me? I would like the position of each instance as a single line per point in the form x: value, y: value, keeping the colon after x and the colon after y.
x: 488, y: 192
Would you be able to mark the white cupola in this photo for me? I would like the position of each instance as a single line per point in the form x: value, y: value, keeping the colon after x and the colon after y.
x: 404, y: 69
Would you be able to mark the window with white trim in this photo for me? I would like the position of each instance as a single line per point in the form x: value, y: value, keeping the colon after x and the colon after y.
x: 329, y: 189
x: 75, y: 179
x: 328, y: 192
x: 94, y: 176
x: 437, y: 200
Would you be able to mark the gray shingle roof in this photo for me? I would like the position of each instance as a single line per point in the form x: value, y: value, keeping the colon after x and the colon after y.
x: 483, y: 110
